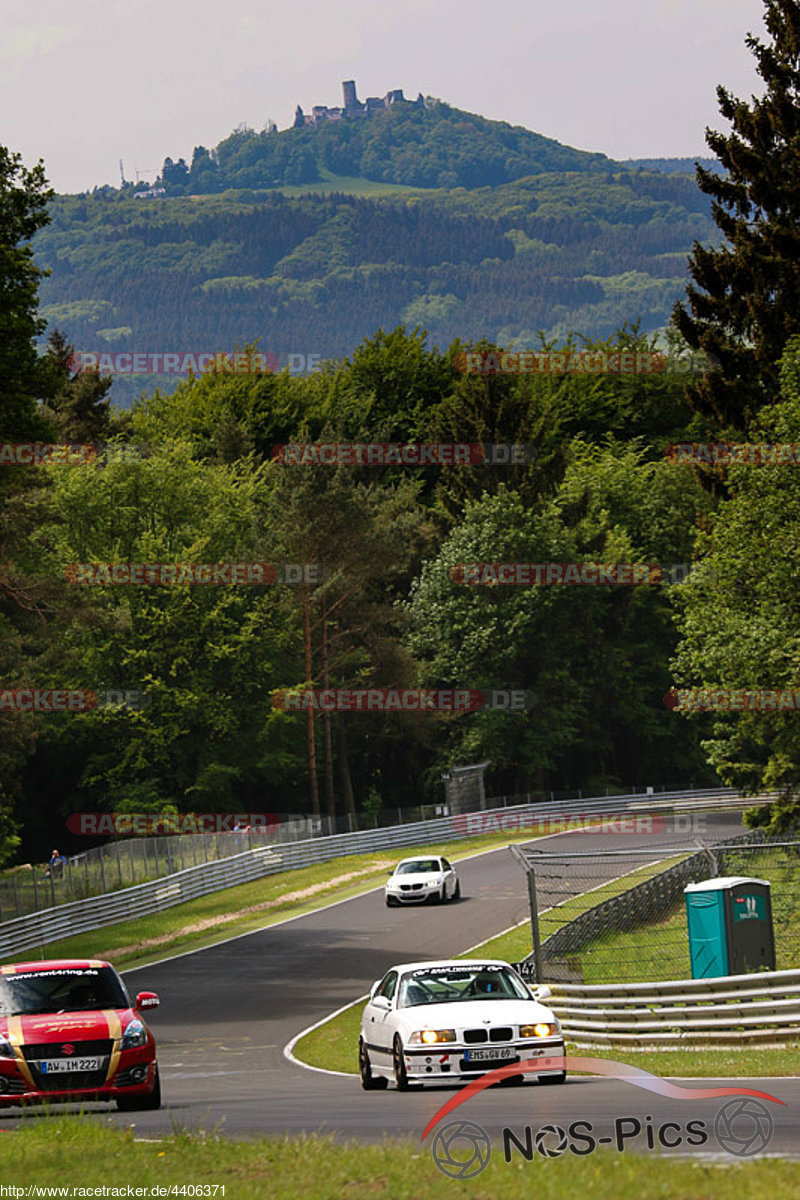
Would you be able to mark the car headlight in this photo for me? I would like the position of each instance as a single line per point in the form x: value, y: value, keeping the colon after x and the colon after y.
x: 542, y: 1029
x: 135, y: 1035
x: 5, y: 1047
x: 429, y: 1037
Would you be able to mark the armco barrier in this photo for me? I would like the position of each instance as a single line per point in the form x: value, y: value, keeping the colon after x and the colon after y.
x: 64, y: 920
x: 691, y: 1013
x: 85, y: 915
x: 136, y: 859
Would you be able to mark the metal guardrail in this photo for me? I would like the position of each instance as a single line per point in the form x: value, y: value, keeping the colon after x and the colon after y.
x: 271, y: 856
x: 133, y: 859
x: 763, y: 1007
x: 145, y: 898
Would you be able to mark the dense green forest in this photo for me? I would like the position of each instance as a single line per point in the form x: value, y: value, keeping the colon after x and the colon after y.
x: 388, y: 613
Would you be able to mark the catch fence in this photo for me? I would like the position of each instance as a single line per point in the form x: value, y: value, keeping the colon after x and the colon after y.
x: 620, y: 916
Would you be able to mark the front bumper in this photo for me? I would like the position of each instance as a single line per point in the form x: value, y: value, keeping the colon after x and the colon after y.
x: 449, y: 1062
x: 135, y: 1075
x: 416, y: 895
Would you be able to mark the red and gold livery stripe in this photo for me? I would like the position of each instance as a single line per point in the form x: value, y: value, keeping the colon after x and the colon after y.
x: 115, y: 1033
x: 15, y: 1037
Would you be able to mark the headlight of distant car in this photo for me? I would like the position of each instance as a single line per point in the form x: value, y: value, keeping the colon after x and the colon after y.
x: 429, y: 1037
x: 5, y: 1047
x: 543, y: 1029
x: 135, y: 1035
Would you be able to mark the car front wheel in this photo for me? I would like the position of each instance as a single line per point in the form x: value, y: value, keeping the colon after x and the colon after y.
x: 457, y: 890
x: 369, y: 1082
x: 400, y: 1073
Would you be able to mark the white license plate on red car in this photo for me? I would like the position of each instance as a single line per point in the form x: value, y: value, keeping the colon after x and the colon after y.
x: 63, y: 1066
x: 490, y: 1053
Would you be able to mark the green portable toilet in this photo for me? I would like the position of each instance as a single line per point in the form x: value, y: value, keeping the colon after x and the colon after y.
x: 730, y: 926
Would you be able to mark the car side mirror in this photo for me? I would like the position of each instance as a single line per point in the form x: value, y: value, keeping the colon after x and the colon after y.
x: 542, y: 993
x: 146, y: 1000
x: 382, y: 1002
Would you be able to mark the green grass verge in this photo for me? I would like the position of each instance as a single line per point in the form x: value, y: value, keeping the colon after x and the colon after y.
x: 635, y: 955
x: 63, y: 1151
x: 250, y: 906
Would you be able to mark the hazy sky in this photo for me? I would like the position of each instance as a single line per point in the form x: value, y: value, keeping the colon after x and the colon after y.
x: 87, y: 82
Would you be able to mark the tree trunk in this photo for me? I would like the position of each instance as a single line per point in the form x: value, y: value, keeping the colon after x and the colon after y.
x: 330, y: 795
x: 348, y: 801
x: 312, y: 748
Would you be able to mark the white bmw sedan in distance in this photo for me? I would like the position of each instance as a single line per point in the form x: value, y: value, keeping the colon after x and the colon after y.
x: 451, y: 1020
x: 417, y: 880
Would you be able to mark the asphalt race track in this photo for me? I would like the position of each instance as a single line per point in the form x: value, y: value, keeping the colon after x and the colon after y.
x: 228, y: 1011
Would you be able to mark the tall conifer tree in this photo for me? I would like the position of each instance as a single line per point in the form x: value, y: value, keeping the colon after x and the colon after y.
x: 744, y: 301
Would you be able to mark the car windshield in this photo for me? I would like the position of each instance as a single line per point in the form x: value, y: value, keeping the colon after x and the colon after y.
x: 418, y: 866
x: 446, y: 985
x: 60, y: 990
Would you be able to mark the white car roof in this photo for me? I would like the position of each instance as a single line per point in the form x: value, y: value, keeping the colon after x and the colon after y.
x: 456, y: 963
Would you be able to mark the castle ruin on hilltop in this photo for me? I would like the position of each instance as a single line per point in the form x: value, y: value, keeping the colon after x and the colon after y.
x: 353, y: 107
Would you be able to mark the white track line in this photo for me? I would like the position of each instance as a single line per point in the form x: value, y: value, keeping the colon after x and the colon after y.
x: 289, y: 1047
x: 312, y: 912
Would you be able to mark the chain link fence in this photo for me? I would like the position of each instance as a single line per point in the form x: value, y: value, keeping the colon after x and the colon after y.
x: 620, y: 917
x: 122, y: 863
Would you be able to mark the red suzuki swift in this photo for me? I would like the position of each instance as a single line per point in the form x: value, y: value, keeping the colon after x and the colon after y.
x: 68, y: 1031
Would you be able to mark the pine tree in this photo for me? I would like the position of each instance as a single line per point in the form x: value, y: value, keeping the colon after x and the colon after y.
x: 24, y: 196
x: 77, y: 403
x: 745, y: 295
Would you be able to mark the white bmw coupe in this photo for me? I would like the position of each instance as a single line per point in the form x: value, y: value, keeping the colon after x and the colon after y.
x: 422, y: 880
x: 451, y: 1020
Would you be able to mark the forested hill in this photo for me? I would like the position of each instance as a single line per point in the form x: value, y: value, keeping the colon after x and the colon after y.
x: 431, y: 147
x: 315, y: 274
x: 416, y: 215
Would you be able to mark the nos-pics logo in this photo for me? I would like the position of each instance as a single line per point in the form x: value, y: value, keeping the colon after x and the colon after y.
x: 743, y: 1126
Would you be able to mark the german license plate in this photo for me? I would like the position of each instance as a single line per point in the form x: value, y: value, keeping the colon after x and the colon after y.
x: 490, y: 1053
x: 63, y: 1066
